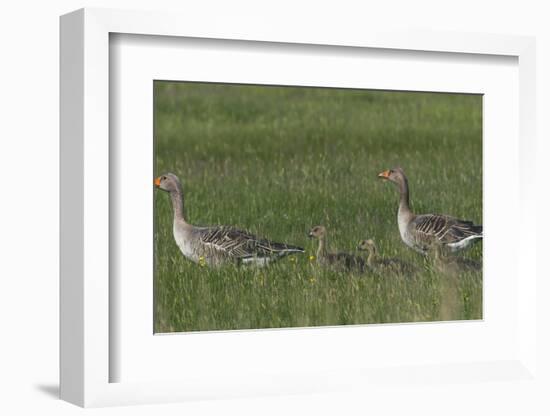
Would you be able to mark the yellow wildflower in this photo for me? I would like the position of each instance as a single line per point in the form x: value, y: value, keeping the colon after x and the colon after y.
x: 311, y: 258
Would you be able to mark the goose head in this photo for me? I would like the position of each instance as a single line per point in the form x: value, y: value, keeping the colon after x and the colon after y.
x: 395, y: 175
x: 168, y: 182
x: 318, y: 232
x: 366, y: 245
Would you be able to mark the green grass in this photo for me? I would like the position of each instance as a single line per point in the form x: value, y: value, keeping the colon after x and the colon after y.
x: 277, y: 161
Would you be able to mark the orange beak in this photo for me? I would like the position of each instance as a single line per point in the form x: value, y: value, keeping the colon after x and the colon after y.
x: 384, y: 175
x: 157, y: 182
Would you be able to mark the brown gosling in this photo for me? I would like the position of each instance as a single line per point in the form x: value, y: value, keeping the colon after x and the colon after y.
x: 384, y: 265
x: 337, y: 260
x: 446, y: 263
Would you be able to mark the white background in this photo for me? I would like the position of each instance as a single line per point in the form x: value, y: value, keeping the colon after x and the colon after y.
x: 29, y: 205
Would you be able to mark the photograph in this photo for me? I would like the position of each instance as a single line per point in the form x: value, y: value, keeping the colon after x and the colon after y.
x: 302, y: 206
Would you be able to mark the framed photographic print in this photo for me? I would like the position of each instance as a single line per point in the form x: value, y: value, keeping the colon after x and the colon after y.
x: 248, y: 215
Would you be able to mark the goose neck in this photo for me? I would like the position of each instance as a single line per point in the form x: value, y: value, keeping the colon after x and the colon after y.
x: 322, y: 249
x: 177, y: 204
x: 373, y: 254
x: 404, y: 207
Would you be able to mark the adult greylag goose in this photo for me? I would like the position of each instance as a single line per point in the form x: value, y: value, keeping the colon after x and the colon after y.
x: 218, y: 244
x: 384, y: 265
x: 448, y: 264
x: 338, y: 260
x: 421, y: 231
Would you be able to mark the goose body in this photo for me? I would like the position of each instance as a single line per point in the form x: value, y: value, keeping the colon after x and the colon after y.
x: 337, y: 260
x: 218, y: 245
x: 384, y: 265
x: 420, y: 232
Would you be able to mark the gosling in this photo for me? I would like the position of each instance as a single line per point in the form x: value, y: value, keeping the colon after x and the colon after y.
x: 384, y: 265
x: 335, y: 260
x: 445, y: 263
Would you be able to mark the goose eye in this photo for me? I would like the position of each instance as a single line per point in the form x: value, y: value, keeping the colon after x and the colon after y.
x: 164, y: 178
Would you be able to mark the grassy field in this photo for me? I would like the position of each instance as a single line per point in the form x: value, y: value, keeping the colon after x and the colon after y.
x: 277, y: 161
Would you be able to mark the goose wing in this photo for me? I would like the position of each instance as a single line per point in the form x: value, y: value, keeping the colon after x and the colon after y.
x: 238, y: 244
x: 430, y: 228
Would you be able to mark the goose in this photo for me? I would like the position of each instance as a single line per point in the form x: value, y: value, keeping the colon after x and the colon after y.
x: 419, y: 232
x: 217, y: 245
x: 391, y: 265
x: 448, y: 264
x: 338, y: 260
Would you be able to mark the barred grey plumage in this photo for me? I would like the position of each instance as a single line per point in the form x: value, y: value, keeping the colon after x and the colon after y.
x: 444, y: 229
x: 240, y: 245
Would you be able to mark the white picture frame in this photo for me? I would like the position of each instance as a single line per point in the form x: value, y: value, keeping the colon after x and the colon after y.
x: 86, y: 356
